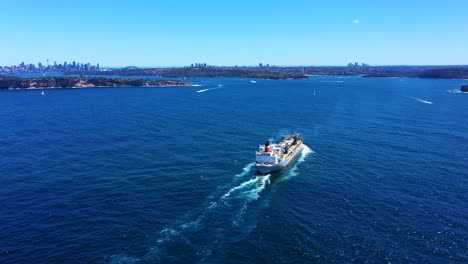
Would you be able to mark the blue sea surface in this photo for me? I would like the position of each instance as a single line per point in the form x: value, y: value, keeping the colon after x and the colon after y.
x: 166, y: 175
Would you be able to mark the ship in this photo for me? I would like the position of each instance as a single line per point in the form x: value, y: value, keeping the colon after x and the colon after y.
x: 272, y: 157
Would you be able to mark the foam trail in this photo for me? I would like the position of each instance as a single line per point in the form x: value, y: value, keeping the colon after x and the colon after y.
x: 250, y: 196
x: 254, y: 194
x: 421, y: 100
x: 245, y: 170
x: 240, y: 186
x: 206, y: 90
x: 456, y: 91
x: 227, y: 210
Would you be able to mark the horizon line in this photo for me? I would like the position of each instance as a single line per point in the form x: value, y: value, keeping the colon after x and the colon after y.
x: 288, y: 65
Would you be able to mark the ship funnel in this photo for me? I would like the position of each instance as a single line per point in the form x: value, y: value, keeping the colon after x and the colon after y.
x: 267, y: 146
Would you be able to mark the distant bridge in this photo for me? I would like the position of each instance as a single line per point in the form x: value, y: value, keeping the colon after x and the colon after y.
x: 130, y: 68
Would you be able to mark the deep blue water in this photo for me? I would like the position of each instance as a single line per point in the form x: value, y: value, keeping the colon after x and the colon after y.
x: 164, y: 175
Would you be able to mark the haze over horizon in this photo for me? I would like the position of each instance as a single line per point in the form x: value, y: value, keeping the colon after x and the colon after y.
x: 179, y: 33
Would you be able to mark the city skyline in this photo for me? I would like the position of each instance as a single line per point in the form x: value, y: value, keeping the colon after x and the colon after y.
x: 242, y: 33
x: 59, y: 67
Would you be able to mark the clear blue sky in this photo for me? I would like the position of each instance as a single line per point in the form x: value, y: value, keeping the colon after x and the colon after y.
x: 241, y: 32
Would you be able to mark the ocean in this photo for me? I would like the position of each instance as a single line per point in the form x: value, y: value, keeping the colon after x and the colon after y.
x: 166, y: 175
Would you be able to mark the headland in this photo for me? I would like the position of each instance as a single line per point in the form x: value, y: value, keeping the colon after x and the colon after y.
x: 69, y: 82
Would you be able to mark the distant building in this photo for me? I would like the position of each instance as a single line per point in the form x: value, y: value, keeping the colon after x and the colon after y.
x: 31, y: 67
x: 357, y: 64
x: 199, y: 65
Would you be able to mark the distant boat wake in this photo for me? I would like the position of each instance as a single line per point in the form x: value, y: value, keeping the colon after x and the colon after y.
x: 206, y: 90
x: 457, y: 91
x: 421, y: 100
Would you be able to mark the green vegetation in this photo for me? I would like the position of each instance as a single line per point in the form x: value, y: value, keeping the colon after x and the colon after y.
x: 63, y: 82
x: 443, y: 72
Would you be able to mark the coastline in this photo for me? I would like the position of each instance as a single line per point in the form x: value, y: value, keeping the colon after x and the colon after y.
x: 90, y: 87
x: 14, y: 83
x: 292, y: 72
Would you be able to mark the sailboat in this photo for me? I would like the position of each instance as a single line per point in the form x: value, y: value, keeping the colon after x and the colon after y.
x: 42, y: 93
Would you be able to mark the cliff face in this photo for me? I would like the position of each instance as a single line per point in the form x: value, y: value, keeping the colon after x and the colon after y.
x: 63, y: 82
x: 464, y: 88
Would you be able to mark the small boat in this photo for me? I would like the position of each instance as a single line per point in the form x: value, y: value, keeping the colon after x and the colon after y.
x: 42, y: 93
x: 274, y: 157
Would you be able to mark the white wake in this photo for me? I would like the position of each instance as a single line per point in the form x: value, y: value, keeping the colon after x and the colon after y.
x: 246, y: 170
x: 421, y: 100
x: 206, y: 90
x: 457, y: 91
x: 240, y: 186
x: 260, y: 182
x: 234, y: 202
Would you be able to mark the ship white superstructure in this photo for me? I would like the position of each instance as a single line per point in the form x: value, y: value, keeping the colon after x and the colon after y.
x: 272, y: 157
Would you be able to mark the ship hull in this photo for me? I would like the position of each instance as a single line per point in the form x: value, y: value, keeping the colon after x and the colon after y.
x: 266, y: 169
